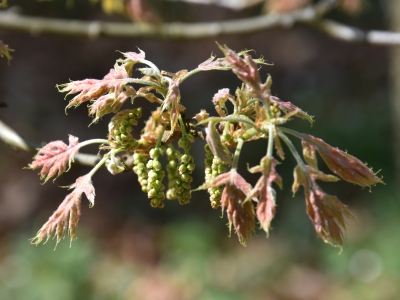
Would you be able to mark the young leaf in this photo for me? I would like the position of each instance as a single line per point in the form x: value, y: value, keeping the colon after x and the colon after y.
x: 214, y: 64
x: 344, y: 165
x: 64, y: 220
x: 214, y: 142
x: 92, y: 89
x: 240, y: 213
x: 54, y: 157
x: 326, y: 212
x: 291, y: 109
x: 267, y: 196
x: 171, y: 103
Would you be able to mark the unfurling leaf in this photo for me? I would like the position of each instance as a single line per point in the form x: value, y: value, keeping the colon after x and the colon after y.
x: 326, y: 212
x: 344, y: 165
x: 92, y: 89
x: 245, y: 69
x: 107, y: 104
x: 214, y: 64
x: 55, y: 157
x: 291, y: 109
x: 240, y: 213
x: 64, y: 220
x: 171, y: 103
x: 267, y: 196
x: 214, y: 142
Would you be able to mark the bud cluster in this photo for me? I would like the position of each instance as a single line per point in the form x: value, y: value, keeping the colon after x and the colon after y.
x: 275, y: 110
x: 213, y: 168
x: 155, y: 187
x: 120, y: 128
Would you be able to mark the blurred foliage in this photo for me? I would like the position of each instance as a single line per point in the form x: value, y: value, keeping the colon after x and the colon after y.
x: 192, y: 260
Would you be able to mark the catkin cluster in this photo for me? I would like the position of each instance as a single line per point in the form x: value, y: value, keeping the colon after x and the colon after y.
x: 155, y: 187
x: 139, y: 162
x: 213, y: 168
x: 120, y: 128
x: 173, y: 156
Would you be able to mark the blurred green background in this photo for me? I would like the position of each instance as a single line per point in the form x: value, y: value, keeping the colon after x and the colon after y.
x: 127, y: 250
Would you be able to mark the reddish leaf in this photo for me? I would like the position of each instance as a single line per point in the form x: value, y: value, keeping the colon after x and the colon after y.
x: 54, y: 158
x: 240, y: 213
x: 92, y: 89
x: 267, y: 196
x: 65, y: 219
x: 110, y: 103
x: 214, y: 64
x: 135, y: 57
x: 172, y: 102
x: 291, y: 109
x: 344, y: 165
x: 246, y: 69
x: 325, y: 211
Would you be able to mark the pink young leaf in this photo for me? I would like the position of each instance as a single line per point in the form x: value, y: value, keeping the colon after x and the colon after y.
x: 240, y: 213
x: 214, y: 64
x: 55, y: 158
x: 326, y: 212
x: 134, y: 57
x: 267, y: 196
x: 64, y: 220
x: 344, y: 165
x: 110, y: 103
x: 291, y: 109
x: 92, y: 89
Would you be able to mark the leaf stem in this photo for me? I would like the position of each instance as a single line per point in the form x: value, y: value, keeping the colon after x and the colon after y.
x: 93, y: 141
x: 237, y: 154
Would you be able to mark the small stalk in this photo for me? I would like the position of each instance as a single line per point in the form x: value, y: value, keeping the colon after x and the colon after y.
x: 194, y: 71
x: 93, y: 141
x: 159, y: 139
x: 296, y: 155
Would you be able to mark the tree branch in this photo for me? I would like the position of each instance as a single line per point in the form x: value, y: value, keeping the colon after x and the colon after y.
x: 352, y: 34
x: 176, y: 30
x: 310, y: 15
x: 15, y: 141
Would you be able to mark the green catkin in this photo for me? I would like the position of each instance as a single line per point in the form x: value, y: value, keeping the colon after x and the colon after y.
x: 139, y: 162
x: 172, y: 171
x: 185, y: 169
x: 120, y: 128
x: 214, y: 167
x: 155, y: 187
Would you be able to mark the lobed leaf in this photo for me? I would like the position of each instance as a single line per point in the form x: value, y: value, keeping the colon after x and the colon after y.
x: 291, y: 109
x: 93, y: 89
x: 64, y: 220
x: 267, y: 196
x: 55, y: 158
x: 326, y: 212
x: 240, y: 212
x: 344, y: 165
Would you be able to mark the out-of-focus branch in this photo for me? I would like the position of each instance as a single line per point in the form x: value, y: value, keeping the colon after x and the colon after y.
x: 352, y: 34
x: 310, y: 15
x: 94, y: 29
x: 15, y: 141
